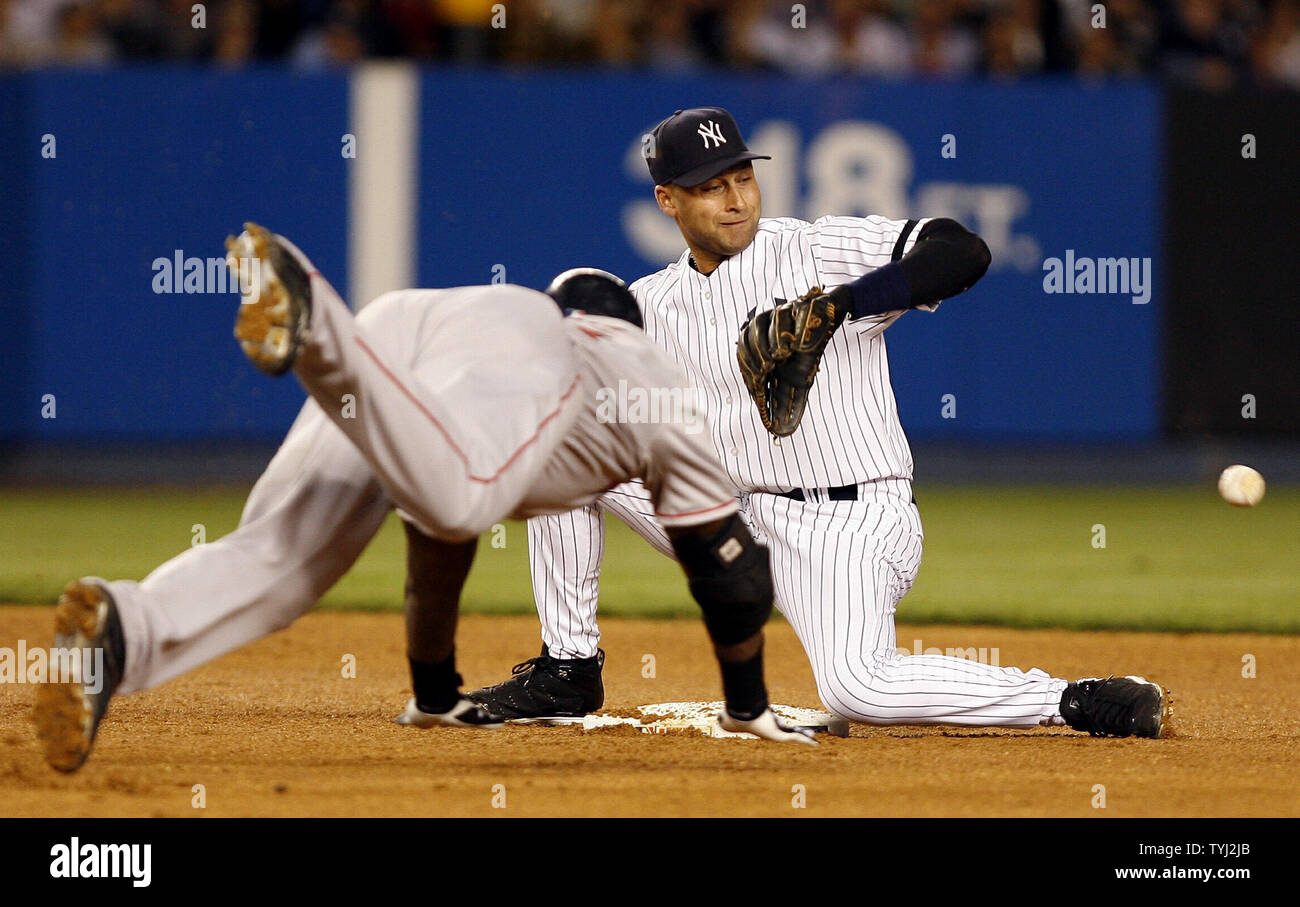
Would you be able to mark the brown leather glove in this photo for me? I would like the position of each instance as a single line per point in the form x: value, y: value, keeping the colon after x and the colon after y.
x: 779, y: 352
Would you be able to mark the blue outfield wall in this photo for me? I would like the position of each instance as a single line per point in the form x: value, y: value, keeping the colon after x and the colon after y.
x: 147, y: 162
x: 521, y: 175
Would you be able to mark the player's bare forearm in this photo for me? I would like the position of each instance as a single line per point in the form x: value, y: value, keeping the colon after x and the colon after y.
x: 435, y: 575
x: 946, y: 259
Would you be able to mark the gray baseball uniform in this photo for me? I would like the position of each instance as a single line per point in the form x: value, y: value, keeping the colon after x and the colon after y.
x: 459, y: 407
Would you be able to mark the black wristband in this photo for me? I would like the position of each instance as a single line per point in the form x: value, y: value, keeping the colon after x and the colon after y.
x: 883, y: 290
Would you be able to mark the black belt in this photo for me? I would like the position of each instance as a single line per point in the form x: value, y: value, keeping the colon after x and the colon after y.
x: 838, y: 493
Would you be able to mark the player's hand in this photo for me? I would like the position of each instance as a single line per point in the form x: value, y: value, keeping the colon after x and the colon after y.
x: 768, y: 727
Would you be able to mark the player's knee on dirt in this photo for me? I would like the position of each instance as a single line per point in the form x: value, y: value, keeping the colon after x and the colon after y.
x: 857, y: 690
x: 730, y: 577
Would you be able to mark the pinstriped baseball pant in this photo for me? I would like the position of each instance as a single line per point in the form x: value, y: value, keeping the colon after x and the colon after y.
x: 840, y: 569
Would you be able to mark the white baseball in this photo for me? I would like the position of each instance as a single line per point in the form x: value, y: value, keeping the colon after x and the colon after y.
x: 1241, y: 486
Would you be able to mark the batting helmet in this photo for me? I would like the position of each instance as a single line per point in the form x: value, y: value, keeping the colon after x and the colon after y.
x: 595, y: 292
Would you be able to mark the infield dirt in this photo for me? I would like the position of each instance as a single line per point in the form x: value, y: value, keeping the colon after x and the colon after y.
x: 276, y: 729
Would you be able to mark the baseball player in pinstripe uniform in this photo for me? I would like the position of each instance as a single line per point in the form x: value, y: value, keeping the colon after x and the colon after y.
x: 833, y: 501
x: 470, y: 405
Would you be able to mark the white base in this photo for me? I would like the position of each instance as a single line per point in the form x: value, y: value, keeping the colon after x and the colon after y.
x: 702, y: 717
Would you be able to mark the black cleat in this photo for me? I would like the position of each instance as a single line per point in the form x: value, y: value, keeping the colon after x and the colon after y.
x: 546, y: 688
x: 69, y: 709
x: 1115, y: 707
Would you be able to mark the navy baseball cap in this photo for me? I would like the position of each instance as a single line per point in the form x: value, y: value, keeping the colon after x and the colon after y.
x: 693, y: 146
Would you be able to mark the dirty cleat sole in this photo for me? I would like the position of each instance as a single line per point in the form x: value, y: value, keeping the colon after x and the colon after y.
x: 275, y: 305
x: 68, y: 712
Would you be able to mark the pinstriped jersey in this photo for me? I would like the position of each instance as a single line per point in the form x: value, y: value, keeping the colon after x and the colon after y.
x: 850, y: 431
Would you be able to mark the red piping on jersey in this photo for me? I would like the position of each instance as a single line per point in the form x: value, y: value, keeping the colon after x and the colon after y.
x: 487, y: 480
x: 676, y: 516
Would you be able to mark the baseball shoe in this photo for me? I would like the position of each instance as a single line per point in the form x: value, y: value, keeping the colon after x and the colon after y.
x: 276, y: 307
x: 68, y: 712
x: 545, y: 688
x: 767, y: 726
x: 1116, y: 707
x: 463, y: 714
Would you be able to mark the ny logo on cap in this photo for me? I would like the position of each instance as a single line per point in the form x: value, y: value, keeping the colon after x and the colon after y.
x: 712, y: 131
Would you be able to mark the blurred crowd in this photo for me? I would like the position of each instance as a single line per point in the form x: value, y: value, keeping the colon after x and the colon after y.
x: 1213, y: 43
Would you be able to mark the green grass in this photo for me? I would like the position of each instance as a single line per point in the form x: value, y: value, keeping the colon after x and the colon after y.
x: 1176, y: 558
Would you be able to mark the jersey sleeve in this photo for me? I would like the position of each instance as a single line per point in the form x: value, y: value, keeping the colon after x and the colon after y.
x: 845, y: 248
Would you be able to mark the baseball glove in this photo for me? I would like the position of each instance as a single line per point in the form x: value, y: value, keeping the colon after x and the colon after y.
x: 779, y: 352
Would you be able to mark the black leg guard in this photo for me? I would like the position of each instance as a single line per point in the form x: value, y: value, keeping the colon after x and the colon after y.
x: 730, y: 577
